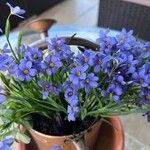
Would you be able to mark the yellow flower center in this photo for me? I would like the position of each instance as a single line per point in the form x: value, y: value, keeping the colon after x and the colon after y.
x: 70, y: 93
x: 1, y: 51
x: 144, y: 49
x: 141, y: 80
x: 86, y: 60
x: 148, y: 97
x: 128, y: 65
x: 87, y: 80
x: 35, y: 56
x: 78, y: 73
x: 51, y: 65
x: 46, y: 87
x: 121, y: 41
x: 99, y: 62
x: 58, y: 48
x: 25, y: 71
x: 148, y: 87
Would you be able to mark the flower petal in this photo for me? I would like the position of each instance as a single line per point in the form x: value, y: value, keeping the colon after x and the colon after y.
x: 33, y: 72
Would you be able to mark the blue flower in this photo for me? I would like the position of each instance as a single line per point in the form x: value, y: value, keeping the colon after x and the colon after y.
x: 98, y: 60
x: 71, y: 96
x: 17, y: 11
x: 145, y: 50
x: 104, y: 93
x: 90, y: 82
x: 137, y: 50
x: 5, y: 61
x: 13, y: 68
x: 51, y: 64
x: 77, y: 74
x: 56, y: 147
x: 122, y: 58
x: 86, y: 58
x: 55, y: 90
x: 4, y: 50
x: 25, y: 70
x: 102, y: 47
x: 107, y: 63
x: 6, y: 143
x: 2, y: 96
x: 109, y: 44
x: 58, y: 47
x: 130, y: 65
x: 147, y: 68
x: 72, y: 112
x: 68, y: 84
x: 48, y: 87
x: 33, y: 54
x: 103, y: 36
x: 141, y: 78
x: 116, y: 90
x: 145, y: 95
x: 119, y: 79
x: 125, y: 40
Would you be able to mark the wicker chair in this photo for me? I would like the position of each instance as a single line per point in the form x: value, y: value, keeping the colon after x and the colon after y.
x: 116, y: 14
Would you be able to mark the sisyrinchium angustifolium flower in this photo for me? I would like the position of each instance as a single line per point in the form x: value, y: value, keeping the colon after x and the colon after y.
x: 112, y: 80
x: 16, y: 10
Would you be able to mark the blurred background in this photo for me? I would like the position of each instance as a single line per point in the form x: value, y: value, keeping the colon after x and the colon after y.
x: 115, y: 14
x: 92, y: 14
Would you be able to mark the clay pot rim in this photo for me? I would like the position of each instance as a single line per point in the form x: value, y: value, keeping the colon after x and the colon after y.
x: 41, y: 25
x: 42, y: 20
x: 65, y: 136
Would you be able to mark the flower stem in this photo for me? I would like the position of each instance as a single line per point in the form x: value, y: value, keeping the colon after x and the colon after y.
x: 7, y: 31
x: 12, y: 50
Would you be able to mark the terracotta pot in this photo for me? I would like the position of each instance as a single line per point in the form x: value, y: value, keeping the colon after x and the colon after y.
x: 109, y: 138
x: 41, y: 26
x: 45, y: 142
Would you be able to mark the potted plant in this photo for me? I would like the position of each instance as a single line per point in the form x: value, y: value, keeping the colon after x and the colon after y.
x: 58, y: 96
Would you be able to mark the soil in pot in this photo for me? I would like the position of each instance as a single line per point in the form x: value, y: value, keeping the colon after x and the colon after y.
x: 59, y: 125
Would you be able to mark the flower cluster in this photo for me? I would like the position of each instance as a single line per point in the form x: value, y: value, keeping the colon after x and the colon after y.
x: 113, y: 69
x: 124, y: 67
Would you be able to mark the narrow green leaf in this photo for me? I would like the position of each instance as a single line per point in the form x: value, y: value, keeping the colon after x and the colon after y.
x: 83, y: 113
x: 24, y: 138
x: 110, y: 97
x: 7, y: 28
x: 19, y: 40
x: 26, y: 124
